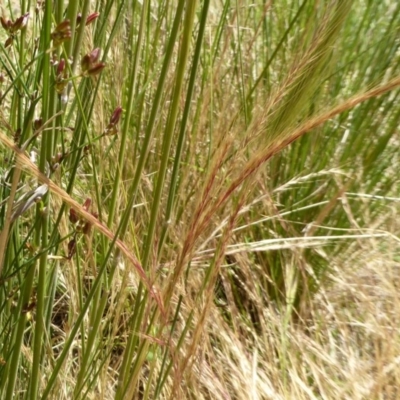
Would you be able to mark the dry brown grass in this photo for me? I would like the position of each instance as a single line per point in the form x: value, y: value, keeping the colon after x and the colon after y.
x: 348, y: 348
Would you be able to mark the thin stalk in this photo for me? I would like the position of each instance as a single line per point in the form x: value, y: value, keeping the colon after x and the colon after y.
x: 4, y: 235
x: 46, y: 148
x: 79, y: 37
x: 183, y: 57
x: 153, y: 116
x: 98, y: 302
x: 170, y: 128
x: 160, y: 380
x: 183, y: 130
x: 276, y: 50
x: 88, y: 356
x: 238, y: 42
x: 20, y: 332
x: 129, y: 105
x: 136, y: 321
x: 67, y: 345
x: 72, y: 12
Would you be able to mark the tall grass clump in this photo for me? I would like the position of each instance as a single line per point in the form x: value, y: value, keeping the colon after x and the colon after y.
x: 197, y: 198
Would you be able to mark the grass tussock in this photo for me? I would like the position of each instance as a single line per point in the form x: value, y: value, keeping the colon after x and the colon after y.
x: 199, y: 200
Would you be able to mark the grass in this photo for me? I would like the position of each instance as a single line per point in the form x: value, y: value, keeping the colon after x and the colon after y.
x: 199, y: 200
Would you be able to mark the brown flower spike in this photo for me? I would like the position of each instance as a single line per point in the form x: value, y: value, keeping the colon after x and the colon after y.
x: 82, y: 225
x: 13, y: 27
x: 111, y: 128
x: 90, y: 64
x: 62, y: 32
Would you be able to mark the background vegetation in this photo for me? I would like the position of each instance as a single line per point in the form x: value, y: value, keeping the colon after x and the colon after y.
x: 199, y: 199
